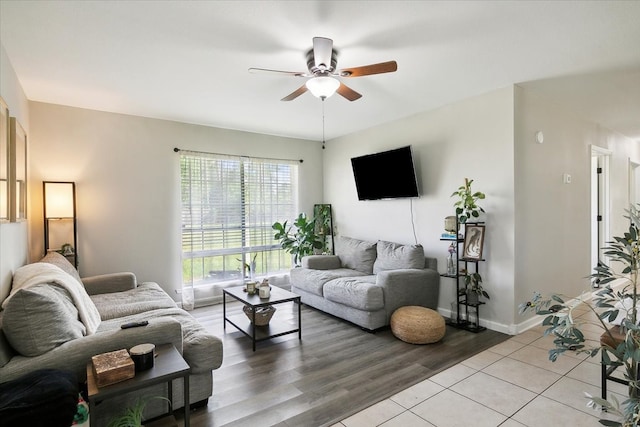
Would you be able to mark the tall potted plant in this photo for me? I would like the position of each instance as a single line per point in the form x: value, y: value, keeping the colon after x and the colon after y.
x: 467, y: 204
x: 298, y: 239
x: 623, y: 251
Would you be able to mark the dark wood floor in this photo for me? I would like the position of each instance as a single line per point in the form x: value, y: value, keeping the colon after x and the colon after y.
x: 335, y: 371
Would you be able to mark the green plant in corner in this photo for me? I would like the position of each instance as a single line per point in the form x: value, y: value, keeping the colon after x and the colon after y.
x: 133, y: 415
x: 608, y: 305
x: 467, y: 206
x: 299, y: 242
x: 473, y: 283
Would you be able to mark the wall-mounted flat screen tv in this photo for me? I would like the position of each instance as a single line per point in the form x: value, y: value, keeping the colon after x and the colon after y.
x: 386, y: 175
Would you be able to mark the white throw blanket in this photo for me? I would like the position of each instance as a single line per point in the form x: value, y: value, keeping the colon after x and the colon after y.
x: 42, y: 273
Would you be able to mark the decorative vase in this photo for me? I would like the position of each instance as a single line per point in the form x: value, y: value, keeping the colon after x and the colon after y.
x: 451, y: 262
x: 450, y: 224
x: 472, y: 297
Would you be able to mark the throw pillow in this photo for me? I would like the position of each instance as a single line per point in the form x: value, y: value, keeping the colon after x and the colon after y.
x: 356, y: 254
x: 60, y: 261
x: 393, y: 256
x: 39, y: 318
x: 6, y: 352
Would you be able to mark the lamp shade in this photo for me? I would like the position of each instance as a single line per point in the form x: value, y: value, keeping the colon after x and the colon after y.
x: 59, y: 200
x: 322, y: 87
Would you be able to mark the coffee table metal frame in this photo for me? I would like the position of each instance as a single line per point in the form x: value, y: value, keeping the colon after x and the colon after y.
x: 275, y: 328
x: 168, y: 365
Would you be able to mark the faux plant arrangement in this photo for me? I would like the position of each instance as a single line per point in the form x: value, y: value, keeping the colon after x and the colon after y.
x: 132, y: 416
x: 467, y: 206
x: 624, y: 251
x: 473, y: 287
x: 299, y: 242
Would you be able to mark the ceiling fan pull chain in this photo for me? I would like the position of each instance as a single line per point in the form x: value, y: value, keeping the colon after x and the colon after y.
x: 323, y: 123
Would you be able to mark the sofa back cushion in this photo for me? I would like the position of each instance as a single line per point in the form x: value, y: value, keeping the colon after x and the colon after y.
x: 63, y: 263
x: 356, y: 254
x: 39, y: 318
x: 394, y: 256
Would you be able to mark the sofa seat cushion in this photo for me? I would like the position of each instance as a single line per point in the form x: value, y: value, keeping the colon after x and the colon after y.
x: 357, y: 292
x: 394, y: 256
x: 147, y: 296
x: 39, y: 318
x: 313, y: 281
x: 356, y: 254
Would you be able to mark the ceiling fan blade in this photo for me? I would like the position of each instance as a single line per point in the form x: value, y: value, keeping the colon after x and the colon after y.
x: 288, y: 73
x: 322, y: 51
x: 348, y: 93
x: 296, y: 93
x: 366, y: 70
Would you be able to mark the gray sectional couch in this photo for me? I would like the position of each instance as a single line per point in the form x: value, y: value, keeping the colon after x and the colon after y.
x: 43, y: 325
x: 365, y: 282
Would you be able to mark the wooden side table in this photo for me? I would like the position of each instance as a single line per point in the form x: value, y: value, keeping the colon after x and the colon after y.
x: 168, y: 366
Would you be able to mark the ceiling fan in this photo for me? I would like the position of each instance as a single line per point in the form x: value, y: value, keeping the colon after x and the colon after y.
x: 322, y: 61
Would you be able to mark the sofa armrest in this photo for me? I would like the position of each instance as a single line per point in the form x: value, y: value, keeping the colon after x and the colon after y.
x: 431, y: 263
x: 107, y: 283
x: 409, y: 287
x: 321, y: 262
x: 75, y: 354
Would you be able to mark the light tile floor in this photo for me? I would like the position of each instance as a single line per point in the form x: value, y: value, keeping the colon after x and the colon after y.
x: 513, y: 384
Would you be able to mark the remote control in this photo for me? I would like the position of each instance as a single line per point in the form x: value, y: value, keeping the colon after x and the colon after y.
x: 134, y: 324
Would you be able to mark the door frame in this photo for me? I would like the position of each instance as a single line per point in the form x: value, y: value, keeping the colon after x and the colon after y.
x: 600, y: 198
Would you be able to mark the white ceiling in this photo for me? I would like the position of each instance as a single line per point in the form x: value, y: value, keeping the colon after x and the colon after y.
x: 187, y: 60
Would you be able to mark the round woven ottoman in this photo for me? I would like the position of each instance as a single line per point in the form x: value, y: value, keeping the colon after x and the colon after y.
x: 417, y: 325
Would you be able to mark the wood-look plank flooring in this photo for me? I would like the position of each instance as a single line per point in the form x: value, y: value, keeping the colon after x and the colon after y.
x: 335, y: 371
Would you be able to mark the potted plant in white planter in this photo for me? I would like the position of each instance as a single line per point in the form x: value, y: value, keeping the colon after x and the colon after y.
x: 467, y: 204
x: 608, y: 305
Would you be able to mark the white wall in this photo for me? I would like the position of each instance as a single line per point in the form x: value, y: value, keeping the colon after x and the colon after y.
x: 553, y: 252
x: 13, y: 236
x: 127, y: 183
x: 472, y: 138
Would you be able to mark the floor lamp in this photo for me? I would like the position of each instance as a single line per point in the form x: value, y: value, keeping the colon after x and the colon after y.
x: 60, y: 232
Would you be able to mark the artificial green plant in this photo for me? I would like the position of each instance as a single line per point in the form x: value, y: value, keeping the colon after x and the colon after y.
x: 298, y: 239
x: 132, y: 416
x: 467, y: 204
x: 607, y: 305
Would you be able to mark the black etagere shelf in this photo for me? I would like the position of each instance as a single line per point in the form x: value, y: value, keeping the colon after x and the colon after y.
x: 471, y: 309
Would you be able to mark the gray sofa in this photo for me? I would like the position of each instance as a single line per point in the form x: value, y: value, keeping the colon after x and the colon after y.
x: 41, y: 326
x: 365, y: 282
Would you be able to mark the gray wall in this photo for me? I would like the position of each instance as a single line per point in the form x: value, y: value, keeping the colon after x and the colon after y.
x: 538, y: 229
x: 128, y: 183
x: 13, y: 236
x: 470, y: 139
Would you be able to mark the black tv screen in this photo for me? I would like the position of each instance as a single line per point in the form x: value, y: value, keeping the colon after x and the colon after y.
x: 386, y: 175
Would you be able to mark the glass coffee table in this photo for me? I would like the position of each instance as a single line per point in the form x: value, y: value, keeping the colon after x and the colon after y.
x: 276, y: 326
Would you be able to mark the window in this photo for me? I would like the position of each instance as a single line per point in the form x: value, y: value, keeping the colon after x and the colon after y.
x: 228, y: 207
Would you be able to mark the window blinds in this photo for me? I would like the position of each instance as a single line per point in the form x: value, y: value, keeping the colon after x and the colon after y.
x: 228, y: 207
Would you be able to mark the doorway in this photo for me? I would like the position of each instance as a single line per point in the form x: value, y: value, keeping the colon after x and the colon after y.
x: 634, y: 183
x: 600, y: 204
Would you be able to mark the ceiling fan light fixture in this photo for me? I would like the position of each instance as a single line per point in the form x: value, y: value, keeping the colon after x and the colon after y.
x: 322, y: 87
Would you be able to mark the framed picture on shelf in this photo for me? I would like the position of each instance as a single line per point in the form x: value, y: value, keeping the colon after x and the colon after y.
x: 473, y: 242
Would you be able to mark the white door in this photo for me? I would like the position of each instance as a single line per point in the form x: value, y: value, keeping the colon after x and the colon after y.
x: 600, y: 205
